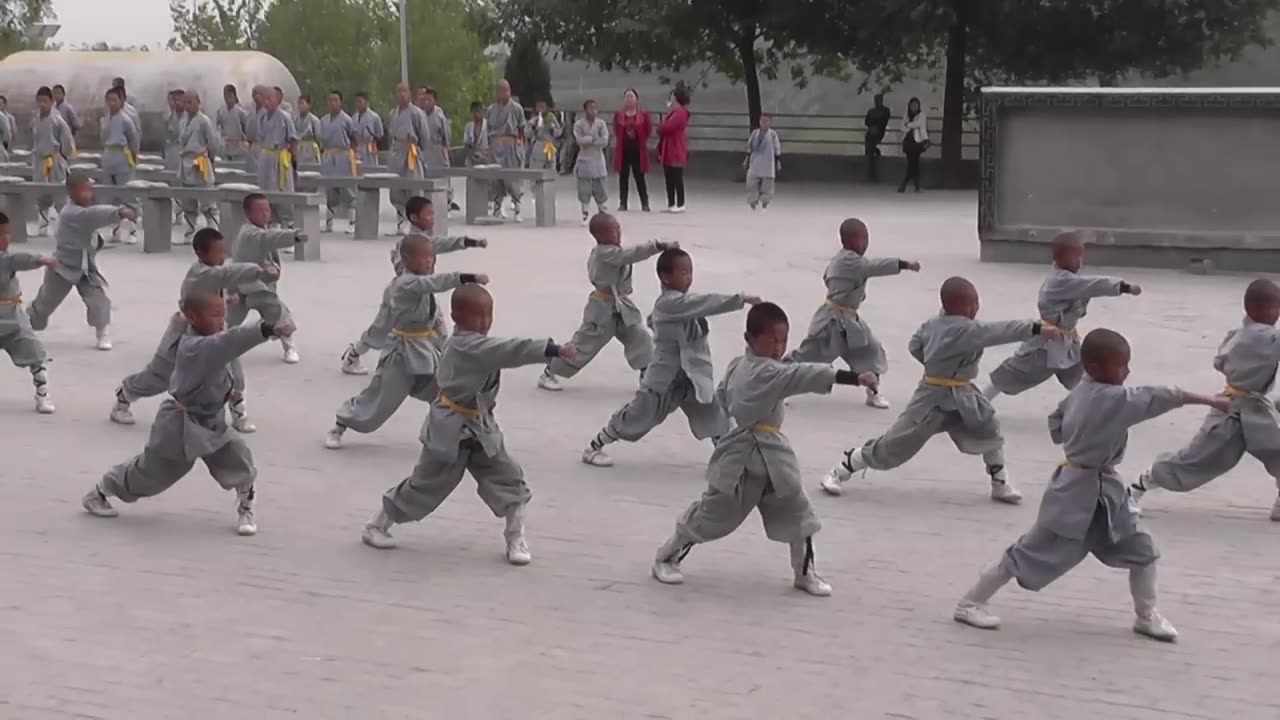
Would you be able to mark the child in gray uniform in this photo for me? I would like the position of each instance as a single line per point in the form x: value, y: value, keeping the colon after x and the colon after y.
x: 191, y: 424
x: 1064, y: 300
x: 76, y: 246
x: 610, y: 313
x: 753, y: 466
x: 1083, y: 510
x: 407, y: 367
x: 257, y: 245
x: 16, y: 337
x: 680, y: 376
x: 837, y: 330
x: 949, y: 347
x: 461, y: 434
x: 1247, y: 359
x: 209, y: 273
x: 764, y: 160
x: 592, y: 136
x: 422, y: 219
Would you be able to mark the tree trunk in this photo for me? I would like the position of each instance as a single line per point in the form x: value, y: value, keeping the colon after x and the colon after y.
x: 953, y: 98
x: 746, y: 47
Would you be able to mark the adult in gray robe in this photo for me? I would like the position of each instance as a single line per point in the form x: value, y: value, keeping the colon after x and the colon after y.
x: 338, y: 139
x: 199, y: 144
x: 277, y: 163
x: 369, y: 132
x: 231, y: 120
x: 505, y: 124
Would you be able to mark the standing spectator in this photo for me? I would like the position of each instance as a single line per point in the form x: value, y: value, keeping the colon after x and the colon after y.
x: 764, y: 160
x: 877, y: 122
x: 68, y: 112
x: 631, y: 130
x: 915, y: 141
x: 673, y: 147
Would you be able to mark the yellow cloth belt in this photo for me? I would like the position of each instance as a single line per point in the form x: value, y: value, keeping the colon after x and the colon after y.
x: 842, y: 308
x: 1073, y: 333
x: 766, y: 427
x: 1073, y: 466
x: 316, y: 147
x: 203, y: 166
x: 428, y: 333
x: 128, y: 153
x: 548, y: 150
x: 46, y: 167
x: 15, y: 300
x: 606, y: 295
x: 349, y: 152
x: 413, y: 156
x: 285, y: 164
x: 448, y: 402
x: 946, y: 382
x: 1233, y: 391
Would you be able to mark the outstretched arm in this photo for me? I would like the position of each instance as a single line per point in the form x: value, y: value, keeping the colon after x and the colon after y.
x: 689, y: 306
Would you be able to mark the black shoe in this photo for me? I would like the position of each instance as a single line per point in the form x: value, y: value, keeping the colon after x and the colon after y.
x: 455, y: 207
x: 645, y: 207
x: 622, y: 207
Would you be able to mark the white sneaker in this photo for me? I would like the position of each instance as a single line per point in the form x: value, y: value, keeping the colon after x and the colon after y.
x: 44, y: 405
x: 515, y: 216
x: 328, y: 224
x: 833, y: 482
x: 351, y: 364
x: 547, y: 381
x: 598, y: 458
x: 875, y: 400
x: 377, y: 532
x: 97, y: 505
x: 122, y: 414
x: 586, y: 219
x: 333, y: 438
x: 679, y: 210
x: 518, y: 551
x: 1136, y: 491
x: 498, y: 212
x: 291, y: 356
x: 668, y: 573
x: 813, y: 584
x: 246, y: 524
x: 670, y: 209
x: 975, y: 616
x: 351, y: 228
x: 1155, y: 627
x: 104, y: 340
x: 240, y: 420
x: 1005, y: 493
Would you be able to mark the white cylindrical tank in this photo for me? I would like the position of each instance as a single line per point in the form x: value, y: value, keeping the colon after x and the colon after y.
x: 148, y: 76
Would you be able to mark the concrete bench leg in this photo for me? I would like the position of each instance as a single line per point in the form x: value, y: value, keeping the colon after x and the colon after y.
x: 16, y: 207
x: 544, y: 199
x: 440, y: 200
x: 157, y: 225
x: 232, y: 217
x: 477, y: 200
x: 368, y: 206
x: 306, y: 218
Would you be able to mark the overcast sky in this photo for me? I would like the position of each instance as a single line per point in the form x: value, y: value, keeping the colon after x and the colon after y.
x: 118, y: 22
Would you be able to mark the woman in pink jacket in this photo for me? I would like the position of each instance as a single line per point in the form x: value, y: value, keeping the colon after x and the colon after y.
x: 673, y: 147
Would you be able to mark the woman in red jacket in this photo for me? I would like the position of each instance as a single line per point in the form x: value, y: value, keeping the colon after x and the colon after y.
x: 631, y: 130
x: 673, y: 147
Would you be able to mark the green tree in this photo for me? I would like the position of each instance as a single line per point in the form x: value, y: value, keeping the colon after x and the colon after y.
x: 446, y: 52
x: 1047, y: 41
x: 216, y: 24
x: 528, y: 72
x: 330, y: 44
x: 744, y: 40
x: 15, y: 17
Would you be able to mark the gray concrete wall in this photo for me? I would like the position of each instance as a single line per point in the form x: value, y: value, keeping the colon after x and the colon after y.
x: 1164, y: 177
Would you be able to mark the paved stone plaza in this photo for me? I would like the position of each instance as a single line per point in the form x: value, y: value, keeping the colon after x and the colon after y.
x: 166, y: 613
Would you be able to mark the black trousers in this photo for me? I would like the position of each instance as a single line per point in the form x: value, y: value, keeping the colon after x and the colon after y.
x: 913, y: 171
x: 675, y: 185
x: 631, y: 167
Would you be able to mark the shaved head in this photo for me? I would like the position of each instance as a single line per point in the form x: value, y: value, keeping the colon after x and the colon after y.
x: 197, y: 300
x: 1102, y: 346
x: 955, y: 292
x: 470, y: 298
x: 601, y: 223
x: 1261, y: 292
x: 414, y: 244
x: 852, y: 227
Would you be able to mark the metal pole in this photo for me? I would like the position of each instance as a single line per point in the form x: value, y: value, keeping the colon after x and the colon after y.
x: 404, y: 42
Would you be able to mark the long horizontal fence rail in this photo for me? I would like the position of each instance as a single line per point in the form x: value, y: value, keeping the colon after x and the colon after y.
x: 808, y: 134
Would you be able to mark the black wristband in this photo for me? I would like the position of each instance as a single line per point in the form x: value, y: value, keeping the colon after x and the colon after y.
x: 470, y: 242
x: 467, y: 278
x: 903, y: 264
x: 553, y: 350
x: 267, y: 330
x: 1036, y: 328
x: 1125, y: 288
x: 846, y: 377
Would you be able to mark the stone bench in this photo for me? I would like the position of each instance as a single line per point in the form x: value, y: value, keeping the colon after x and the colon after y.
x: 19, y: 196
x: 369, y: 196
x: 479, y: 178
